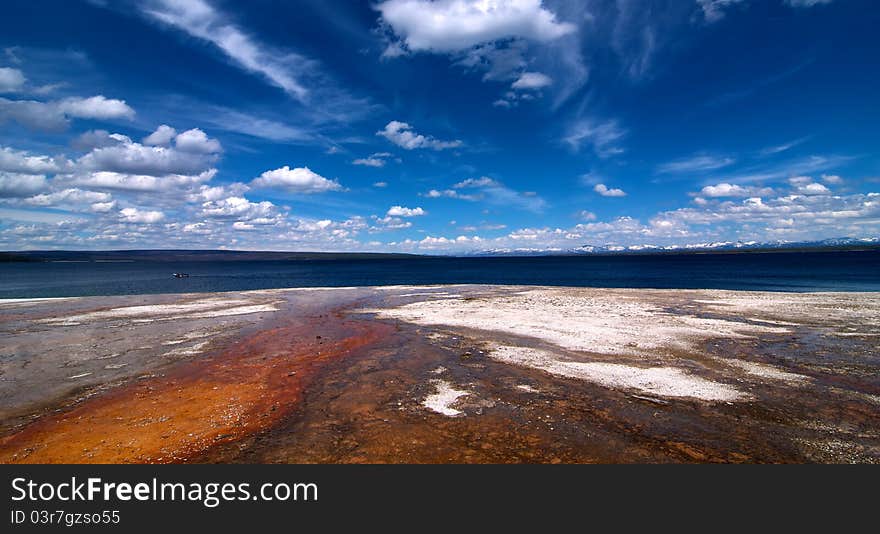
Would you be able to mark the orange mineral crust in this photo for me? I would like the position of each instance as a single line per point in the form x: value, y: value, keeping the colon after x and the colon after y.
x: 243, y: 389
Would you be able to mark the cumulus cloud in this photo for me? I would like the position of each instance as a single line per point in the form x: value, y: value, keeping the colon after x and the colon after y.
x: 452, y: 25
x: 813, y: 189
x: 401, y: 211
x: 134, y: 215
x: 103, y: 207
x: 733, y: 190
x: 238, y: 208
x: 196, y: 141
x: 603, y: 190
x: 56, y: 115
x: 403, y: 135
x: 140, y: 182
x: 532, y: 80
x: 298, y: 180
x: 14, y: 184
x: 806, y: 186
x: 390, y: 223
x: 375, y: 160
x: 161, y: 137
x: 193, y: 153
x: 95, y: 107
x: 11, y: 80
x: 20, y: 161
x: 71, y: 196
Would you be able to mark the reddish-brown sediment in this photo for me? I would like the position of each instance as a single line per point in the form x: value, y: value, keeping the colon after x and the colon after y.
x: 241, y: 390
x: 472, y: 374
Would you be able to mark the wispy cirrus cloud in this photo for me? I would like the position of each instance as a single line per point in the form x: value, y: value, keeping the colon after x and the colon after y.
x: 696, y: 163
x: 200, y: 19
x: 603, y: 136
x: 491, y: 191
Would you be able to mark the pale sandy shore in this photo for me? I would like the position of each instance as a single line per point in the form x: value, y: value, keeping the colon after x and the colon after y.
x: 443, y: 373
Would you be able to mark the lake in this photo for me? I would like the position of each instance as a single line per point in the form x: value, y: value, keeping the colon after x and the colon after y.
x: 776, y: 271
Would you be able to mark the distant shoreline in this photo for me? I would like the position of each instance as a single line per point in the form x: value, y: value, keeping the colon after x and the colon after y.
x: 169, y: 255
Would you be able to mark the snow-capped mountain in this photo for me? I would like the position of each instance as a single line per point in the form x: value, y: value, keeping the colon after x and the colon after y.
x: 841, y: 242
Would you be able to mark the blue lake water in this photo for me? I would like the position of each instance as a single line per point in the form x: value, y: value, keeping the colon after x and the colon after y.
x: 789, y: 271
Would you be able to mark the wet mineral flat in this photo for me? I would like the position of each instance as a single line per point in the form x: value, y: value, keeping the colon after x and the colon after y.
x: 442, y: 374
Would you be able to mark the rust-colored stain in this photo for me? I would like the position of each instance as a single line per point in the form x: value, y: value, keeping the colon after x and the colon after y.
x: 246, y: 388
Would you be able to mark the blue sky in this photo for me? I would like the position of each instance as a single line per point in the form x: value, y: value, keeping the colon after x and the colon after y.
x: 436, y: 127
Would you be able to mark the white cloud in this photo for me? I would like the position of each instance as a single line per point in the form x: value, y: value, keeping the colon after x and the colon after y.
x: 832, y: 179
x: 483, y: 181
x: 493, y: 192
x: 379, y: 159
x: 783, y: 147
x: 586, y: 215
x: 193, y: 153
x: 401, y: 211
x: 134, y: 215
x: 696, y: 163
x: 602, y: 136
x: 806, y: 186
x: 391, y: 223
x: 201, y: 20
x: 813, y: 189
x: 103, y: 207
x: 196, y: 141
x: 453, y: 25
x: 32, y: 114
x: 239, y: 208
x: 11, y: 80
x: 140, y: 182
x: 20, y: 185
x: 298, y: 180
x: 90, y: 139
x: 19, y: 161
x: 161, y: 137
x: 369, y: 162
x: 732, y: 190
x: 95, y: 107
x: 55, y: 115
x: 71, y: 197
x: 451, y: 193
x: 713, y: 10
x: 532, y: 80
x: 807, y: 3
x: 380, y: 184
x: 207, y: 193
x: 603, y: 190
x: 402, y: 135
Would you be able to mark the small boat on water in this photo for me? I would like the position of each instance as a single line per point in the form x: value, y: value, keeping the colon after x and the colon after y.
x: 181, y: 275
